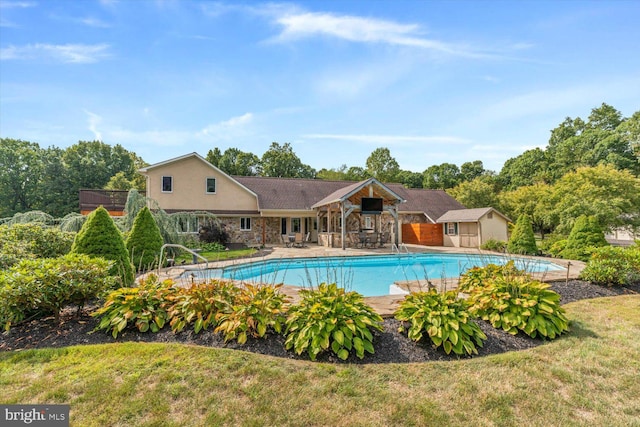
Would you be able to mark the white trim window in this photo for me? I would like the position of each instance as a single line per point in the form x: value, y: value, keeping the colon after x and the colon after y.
x: 167, y: 184
x: 451, y: 229
x: 245, y: 224
x: 368, y: 223
x: 295, y: 225
x: 210, y: 186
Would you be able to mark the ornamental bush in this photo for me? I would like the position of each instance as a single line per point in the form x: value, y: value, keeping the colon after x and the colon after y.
x: 99, y: 237
x: 494, y: 245
x: 585, y: 236
x: 32, y: 240
x: 613, y: 266
x: 478, y: 276
x: 144, y: 241
x: 144, y: 306
x: 39, y: 287
x: 255, y: 311
x: 518, y: 303
x: 522, y: 240
x: 330, y: 319
x: 445, y: 320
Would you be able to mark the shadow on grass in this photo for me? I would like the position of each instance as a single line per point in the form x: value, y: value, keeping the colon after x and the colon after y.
x: 579, y: 330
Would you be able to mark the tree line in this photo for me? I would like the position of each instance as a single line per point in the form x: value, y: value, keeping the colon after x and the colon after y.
x: 588, y: 165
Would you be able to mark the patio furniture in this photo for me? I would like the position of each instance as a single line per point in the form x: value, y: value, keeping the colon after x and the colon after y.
x: 306, y: 239
x: 286, y: 240
x: 297, y: 240
x: 384, y: 239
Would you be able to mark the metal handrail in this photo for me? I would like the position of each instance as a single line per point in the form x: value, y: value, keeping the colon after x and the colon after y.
x: 191, y: 251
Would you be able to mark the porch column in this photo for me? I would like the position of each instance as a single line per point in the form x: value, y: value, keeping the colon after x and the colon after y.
x: 344, y: 227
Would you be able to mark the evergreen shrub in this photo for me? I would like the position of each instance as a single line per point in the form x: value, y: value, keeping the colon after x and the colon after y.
x: 99, y: 237
x: 522, y: 240
x: 144, y: 241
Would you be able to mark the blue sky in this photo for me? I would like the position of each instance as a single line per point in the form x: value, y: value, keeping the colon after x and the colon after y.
x: 433, y: 81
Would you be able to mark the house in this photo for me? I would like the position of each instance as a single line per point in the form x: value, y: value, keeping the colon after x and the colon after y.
x: 264, y: 209
x: 470, y: 228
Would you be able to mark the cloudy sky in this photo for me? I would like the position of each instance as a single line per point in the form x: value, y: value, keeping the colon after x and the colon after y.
x: 433, y: 81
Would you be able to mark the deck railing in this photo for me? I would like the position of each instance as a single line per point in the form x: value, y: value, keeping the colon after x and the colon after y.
x: 112, y: 200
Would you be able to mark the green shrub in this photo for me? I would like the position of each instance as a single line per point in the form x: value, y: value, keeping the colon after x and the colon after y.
x: 99, y: 237
x: 144, y: 306
x: 212, y: 247
x: 256, y: 310
x: 144, y: 241
x: 32, y: 240
x: 522, y: 240
x: 494, y: 245
x: 477, y: 276
x: 613, y: 266
x: 585, y: 236
x: 444, y: 318
x: 550, y: 244
x: 517, y: 303
x: 330, y: 318
x: 199, y: 304
x: 39, y: 287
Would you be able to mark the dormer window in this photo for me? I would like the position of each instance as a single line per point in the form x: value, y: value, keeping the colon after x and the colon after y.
x: 167, y: 184
x: 211, y: 186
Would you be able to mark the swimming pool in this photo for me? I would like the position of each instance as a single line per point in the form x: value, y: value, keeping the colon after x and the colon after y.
x: 371, y: 275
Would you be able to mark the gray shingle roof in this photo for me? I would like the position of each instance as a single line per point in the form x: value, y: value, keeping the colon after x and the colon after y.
x: 302, y: 194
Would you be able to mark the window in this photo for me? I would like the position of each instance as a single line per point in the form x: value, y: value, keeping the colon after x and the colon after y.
x: 367, y: 222
x: 167, y: 184
x: 211, y: 185
x: 490, y: 215
x: 283, y: 226
x: 451, y: 228
x: 295, y: 225
x: 245, y: 224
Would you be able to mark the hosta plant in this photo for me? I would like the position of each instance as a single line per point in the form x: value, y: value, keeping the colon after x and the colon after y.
x: 330, y: 319
x: 443, y: 318
x: 199, y: 304
x: 144, y: 306
x: 477, y: 276
x: 255, y: 310
x: 518, y: 303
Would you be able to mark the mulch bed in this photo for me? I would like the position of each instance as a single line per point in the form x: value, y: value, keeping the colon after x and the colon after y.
x: 390, y: 345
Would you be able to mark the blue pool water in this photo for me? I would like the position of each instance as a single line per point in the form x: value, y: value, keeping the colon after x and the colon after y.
x: 368, y: 275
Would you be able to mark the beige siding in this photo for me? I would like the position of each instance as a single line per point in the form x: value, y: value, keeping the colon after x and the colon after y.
x: 494, y: 228
x: 189, y: 188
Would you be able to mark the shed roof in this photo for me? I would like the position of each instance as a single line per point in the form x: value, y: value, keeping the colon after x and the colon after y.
x: 467, y: 215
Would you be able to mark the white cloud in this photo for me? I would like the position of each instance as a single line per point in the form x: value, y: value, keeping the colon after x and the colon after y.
x: 67, y: 53
x: 16, y: 4
x: 298, y: 25
x: 93, y: 22
x: 225, y: 127
x: 390, y: 139
x: 93, y: 121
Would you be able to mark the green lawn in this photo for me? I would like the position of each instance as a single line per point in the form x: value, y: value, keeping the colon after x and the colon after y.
x: 589, y: 377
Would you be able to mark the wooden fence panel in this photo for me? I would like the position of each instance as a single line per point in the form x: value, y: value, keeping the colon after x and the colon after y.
x: 423, y: 234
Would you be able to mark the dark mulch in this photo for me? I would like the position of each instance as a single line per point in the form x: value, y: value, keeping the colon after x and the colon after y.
x: 391, y: 346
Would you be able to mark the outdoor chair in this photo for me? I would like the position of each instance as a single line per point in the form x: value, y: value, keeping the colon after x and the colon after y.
x: 298, y: 241
x: 285, y: 240
x: 306, y: 239
x: 384, y: 239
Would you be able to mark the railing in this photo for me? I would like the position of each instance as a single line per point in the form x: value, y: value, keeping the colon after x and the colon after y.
x: 191, y: 251
x: 112, y: 200
x: 399, y: 248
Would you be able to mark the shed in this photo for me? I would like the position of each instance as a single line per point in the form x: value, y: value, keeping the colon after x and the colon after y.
x: 470, y: 228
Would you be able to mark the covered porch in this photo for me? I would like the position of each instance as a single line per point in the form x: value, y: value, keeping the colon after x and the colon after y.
x: 354, y: 215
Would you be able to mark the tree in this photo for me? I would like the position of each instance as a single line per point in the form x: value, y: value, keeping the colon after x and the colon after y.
x: 58, y: 195
x: 237, y: 162
x: 522, y: 240
x: 382, y: 166
x: 99, y: 237
x: 475, y: 194
x: 20, y: 175
x: 604, y: 117
x: 612, y: 196
x: 531, y: 200
x: 525, y: 169
x: 213, y: 156
x: 333, y: 174
x: 441, y: 177
x: 410, y: 179
x: 356, y: 173
x: 119, y: 182
x: 585, y: 235
x: 281, y: 161
x: 144, y: 241
x: 471, y: 170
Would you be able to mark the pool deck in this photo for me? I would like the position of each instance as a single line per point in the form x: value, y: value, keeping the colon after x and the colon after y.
x: 384, y: 305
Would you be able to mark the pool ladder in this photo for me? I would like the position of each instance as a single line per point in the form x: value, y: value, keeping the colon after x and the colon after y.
x: 191, y: 251
x: 398, y: 249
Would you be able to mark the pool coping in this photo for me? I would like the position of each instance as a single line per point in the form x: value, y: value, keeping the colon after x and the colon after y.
x: 384, y: 305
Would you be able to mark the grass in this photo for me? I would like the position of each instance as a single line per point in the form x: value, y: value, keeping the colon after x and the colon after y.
x: 218, y: 255
x: 589, y: 377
